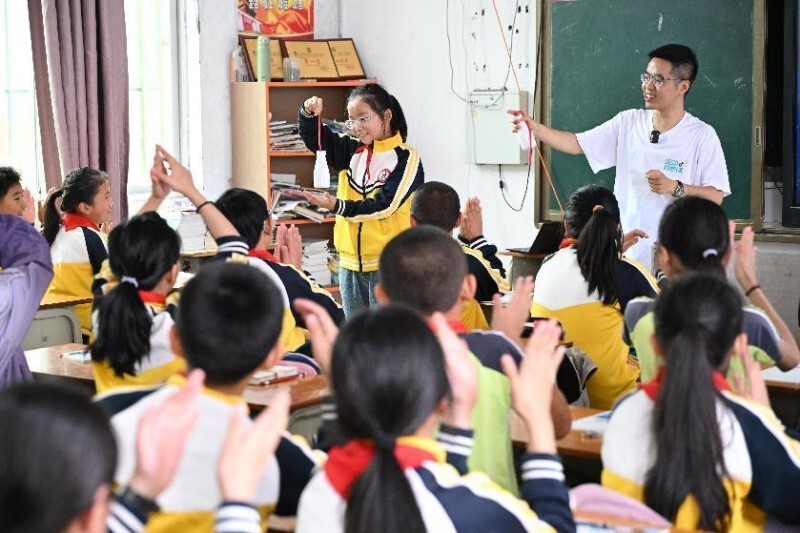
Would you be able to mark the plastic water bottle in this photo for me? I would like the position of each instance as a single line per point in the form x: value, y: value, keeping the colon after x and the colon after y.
x: 322, y: 174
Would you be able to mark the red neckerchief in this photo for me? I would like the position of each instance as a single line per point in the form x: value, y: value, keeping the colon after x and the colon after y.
x: 652, y: 387
x: 346, y: 463
x: 566, y: 243
x: 457, y: 326
x: 262, y: 254
x: 152, y: 297
x: 74, y: 220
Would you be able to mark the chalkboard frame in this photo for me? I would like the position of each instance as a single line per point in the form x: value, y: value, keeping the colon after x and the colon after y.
x: 543, y: 207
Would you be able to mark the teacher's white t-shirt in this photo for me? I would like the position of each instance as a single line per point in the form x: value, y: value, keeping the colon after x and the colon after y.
x: 689, y: 152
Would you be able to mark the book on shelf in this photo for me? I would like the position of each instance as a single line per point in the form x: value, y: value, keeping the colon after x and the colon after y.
x: 316, y: 255
x: 310, y: 213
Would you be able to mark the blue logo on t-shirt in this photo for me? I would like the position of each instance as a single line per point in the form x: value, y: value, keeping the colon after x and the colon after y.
x: 671, y: 165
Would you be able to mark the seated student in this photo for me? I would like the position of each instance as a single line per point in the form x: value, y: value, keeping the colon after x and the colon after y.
x: 694, y: 236
x: 14, y: 200
x: 77, y: 246
x: 587, y: 284
x: 248, y: 213
x: 134, y: 299
x: 394, y: 385
x: 437, y: 204
x: 424, y: 268
x: 50, y: 428
x: 25, y: 272
x: 228, y: 325
x: 685, y: 444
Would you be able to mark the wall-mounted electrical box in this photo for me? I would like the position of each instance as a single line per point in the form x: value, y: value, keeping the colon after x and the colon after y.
x: 490, y: 139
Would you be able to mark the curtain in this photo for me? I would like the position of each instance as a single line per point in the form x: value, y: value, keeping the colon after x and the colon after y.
x: 80, y: 64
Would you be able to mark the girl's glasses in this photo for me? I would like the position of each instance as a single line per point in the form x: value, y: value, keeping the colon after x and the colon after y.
x: 350, y: 124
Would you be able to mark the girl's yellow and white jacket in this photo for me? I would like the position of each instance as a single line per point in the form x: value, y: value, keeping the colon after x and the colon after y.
x: 161, y: 362
x: 375, y: 187
x: 78, y: 252
x: 762, y: 458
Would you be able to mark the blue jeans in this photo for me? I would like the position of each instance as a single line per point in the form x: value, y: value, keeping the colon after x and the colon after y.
x: 357, y: 290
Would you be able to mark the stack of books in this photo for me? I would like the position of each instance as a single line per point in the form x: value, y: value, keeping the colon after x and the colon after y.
x: 315, y: 260
x: 193, y: 233
x: 283, y: 137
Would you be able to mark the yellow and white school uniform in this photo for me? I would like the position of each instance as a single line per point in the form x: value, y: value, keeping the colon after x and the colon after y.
x: 761, y: 458
x: 189, y: 502
x: 160, y: 363
x: 78, y: 252
x: 596, y: 328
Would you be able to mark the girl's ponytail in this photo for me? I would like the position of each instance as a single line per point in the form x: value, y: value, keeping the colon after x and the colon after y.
x: 388, y: 377
x: 398, y: 122
x: 140, y: 252
x: 598, y: 252
x: 52, y: 218
x: 697, y: 320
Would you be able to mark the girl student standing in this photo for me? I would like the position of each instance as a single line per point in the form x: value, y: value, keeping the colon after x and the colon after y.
x: 378, y: 173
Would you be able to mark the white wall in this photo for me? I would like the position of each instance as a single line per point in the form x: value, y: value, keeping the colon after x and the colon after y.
x: 218, y: 38
x: 404, y: 46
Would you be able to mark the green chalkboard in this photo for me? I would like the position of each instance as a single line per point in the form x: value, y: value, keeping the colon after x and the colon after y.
x: 595, y: 51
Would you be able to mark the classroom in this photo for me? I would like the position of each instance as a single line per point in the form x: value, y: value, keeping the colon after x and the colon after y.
x: 475, y: 265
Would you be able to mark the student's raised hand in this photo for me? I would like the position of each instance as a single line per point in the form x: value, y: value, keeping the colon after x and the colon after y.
x: 745, y: 265
x: 248, y: 448
x: 472, y: 220
x: 461, y: 372
x: 162, y: 434
x: 158, y: 188
x: 632, y: 237
x: 172, y: 173
x: 532, y: 384
x: 313, y: 106
x: 322, y: 328
x: 510, y: 319
x: 29, y: 213
x: 751, y: 385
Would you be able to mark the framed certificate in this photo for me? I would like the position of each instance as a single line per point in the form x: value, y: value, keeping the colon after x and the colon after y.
x: 316, y: 60
x: 348, y: 64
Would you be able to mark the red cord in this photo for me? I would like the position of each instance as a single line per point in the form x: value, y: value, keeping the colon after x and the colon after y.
x: 530, y: 133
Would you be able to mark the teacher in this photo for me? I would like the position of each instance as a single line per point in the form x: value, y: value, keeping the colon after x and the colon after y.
x: 661, y: 152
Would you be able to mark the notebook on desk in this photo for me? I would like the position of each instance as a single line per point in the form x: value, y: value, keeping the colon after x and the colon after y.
x: 547, y: 240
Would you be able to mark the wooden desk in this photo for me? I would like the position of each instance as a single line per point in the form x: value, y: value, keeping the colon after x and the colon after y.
x: 523, y: 264
x: 47, y: 363
x: 575, y: 444
x: 784, y: 394
x: 51, y: 301
x: 306, y: 392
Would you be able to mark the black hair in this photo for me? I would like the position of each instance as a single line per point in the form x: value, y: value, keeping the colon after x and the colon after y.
x: 379, y: 100
x: 144, y: 248
x: 592, y: 217
x: 388, y: 377
x: 697, y: 320
x: 229, y: 319
x: 436, y: 204
x: 424, y: 268
x: 247, y: 211
x: 8, y: 178
x: 56, y: 450
x: 696, y: 231
x: 80, y: 186
x: 682, y: 59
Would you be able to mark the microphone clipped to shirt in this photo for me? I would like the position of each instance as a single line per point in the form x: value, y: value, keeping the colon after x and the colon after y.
x: 654, y: 135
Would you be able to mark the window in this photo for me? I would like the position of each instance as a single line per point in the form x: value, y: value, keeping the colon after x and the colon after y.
x: 156, y: 33
x: 20, y: 146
